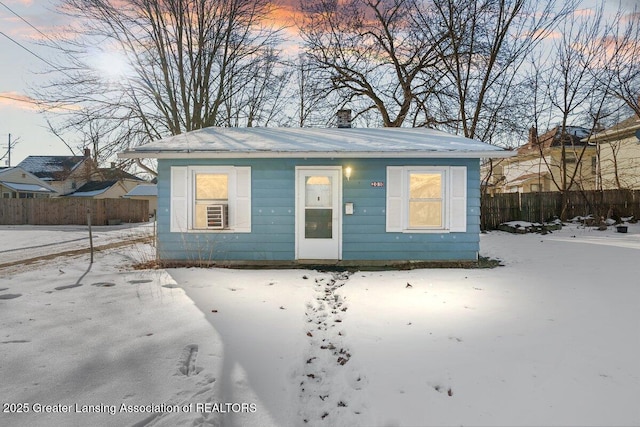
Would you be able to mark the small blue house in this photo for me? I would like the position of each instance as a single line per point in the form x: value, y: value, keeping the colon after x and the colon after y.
x: 298, y: 195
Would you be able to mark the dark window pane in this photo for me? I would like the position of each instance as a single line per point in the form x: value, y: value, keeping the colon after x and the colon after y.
x: 317, y: 223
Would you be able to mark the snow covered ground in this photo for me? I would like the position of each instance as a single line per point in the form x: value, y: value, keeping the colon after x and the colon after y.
x: 550, y: 338
x: 21, y: 242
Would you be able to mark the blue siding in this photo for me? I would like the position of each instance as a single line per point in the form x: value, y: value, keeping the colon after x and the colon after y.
x: 273, y: 215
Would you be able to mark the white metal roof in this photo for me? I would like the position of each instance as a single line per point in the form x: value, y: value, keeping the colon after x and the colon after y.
x: 92, y: 193
x: 33, y: 188
x: 316, y: 143
x: 143, y: 190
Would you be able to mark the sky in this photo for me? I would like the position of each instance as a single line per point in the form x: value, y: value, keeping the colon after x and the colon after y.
x: 19, y: 71
x: 22, y: 69
x: 22, y: 64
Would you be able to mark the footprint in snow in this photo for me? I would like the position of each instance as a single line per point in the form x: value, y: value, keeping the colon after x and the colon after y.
x: 135, y: 282
x: 187, y: 361
x: 61, y: 288
x: 10, y: 296
x: 103, y: 284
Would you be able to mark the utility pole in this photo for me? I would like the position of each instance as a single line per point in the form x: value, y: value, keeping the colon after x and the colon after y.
x: 10, y: 146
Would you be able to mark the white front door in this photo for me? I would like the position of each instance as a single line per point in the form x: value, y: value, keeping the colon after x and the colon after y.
x: 318, y: 213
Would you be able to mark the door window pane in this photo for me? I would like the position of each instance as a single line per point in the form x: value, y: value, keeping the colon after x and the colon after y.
x: 318, y: 207
x: 318, y: 192
x: 317, y: 223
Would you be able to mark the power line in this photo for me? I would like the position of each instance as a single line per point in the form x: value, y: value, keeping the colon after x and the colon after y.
x: 27, y: 22
x: 55, y: 67
x: 31, y: 52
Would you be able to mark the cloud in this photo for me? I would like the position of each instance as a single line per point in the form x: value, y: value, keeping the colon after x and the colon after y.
x: 18, y: 100
x: 584, y: 12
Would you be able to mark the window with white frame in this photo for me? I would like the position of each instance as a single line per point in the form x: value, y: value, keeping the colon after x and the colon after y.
x: 426, y: 199
x: 210, y: 198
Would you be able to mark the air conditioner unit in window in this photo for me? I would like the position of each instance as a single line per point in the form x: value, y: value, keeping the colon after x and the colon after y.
x: 217, y: 216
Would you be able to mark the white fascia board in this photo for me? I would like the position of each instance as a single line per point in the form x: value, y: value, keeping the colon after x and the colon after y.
x: 612, y: 136
x: 314, y: 154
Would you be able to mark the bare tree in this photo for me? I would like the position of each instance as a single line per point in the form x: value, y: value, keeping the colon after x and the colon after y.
x: 185, y: 65
x: 371, y: 54
x: 621, y: 49
x: 310, y: 96
x: 488, y: 43
x: 258, y: 92
x: 566, y: 86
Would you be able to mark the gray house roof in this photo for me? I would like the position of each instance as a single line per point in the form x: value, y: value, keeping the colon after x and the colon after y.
x: 29, y: 188
x: 27, y: 182
x: 51, y: 168
x: 143, y: 190
x: 316, y: 143
x: 93, y: 188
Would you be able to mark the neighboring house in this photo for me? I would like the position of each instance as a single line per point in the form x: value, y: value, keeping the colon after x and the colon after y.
x: 17, y: 183
x: 65, y: 174
x: 113, y: 173
x: 619, y: 155
x: 148, y: 192
x: 101, y: 190
x: 308, y: 195
x: 107, y: 183
x: 538, y: 165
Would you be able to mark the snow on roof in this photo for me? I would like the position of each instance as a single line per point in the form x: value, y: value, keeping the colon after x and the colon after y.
x: 143, y: 190
x: 115, y: 174
x: 316, y: 142
x: 33, y: 188
x: 92, y: 188
x: 86, y: 193
x: 50, y: 167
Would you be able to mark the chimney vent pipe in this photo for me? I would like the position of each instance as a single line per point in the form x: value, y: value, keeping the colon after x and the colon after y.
x: 344, y: 118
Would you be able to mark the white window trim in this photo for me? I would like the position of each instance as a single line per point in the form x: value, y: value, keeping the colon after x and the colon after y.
x: 454, y: 199
x: 183, y: 198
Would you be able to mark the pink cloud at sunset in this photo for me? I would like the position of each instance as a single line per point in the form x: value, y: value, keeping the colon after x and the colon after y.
x: 18, y: 100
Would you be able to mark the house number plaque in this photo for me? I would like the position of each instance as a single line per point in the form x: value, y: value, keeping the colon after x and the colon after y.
x: 377, y: 183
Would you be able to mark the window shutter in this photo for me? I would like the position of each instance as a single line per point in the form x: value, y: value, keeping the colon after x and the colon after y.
x: 394, y: 199
x: 179, y: 199
x: 458, y: 199
x: 242, y: 208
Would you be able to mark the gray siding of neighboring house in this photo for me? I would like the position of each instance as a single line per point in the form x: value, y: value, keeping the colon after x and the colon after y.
x: 272, y: 235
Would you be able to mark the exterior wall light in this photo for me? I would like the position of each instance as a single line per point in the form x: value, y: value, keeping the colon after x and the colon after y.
x: 347, y: 172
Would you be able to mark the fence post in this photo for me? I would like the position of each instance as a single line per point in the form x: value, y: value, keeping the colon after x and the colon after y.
x: 90, y: 234
x: 155, y: 233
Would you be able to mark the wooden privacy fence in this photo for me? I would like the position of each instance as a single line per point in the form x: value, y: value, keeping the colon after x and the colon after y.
x: 71, y: 210
x: 539, y: 207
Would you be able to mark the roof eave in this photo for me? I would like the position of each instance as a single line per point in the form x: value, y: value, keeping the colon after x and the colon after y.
x: 613, y: 135
x: 202, y: 154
